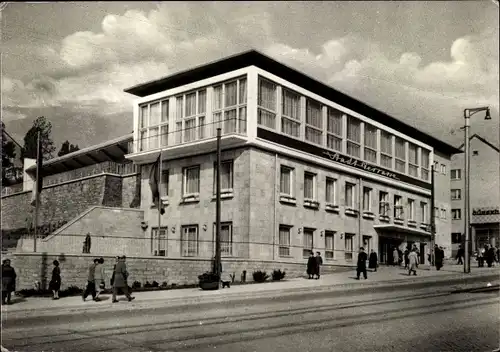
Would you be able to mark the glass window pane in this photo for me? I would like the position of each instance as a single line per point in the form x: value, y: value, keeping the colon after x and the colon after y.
x: 164, y: 111
x: 291, y: 105
x: 231, y: 94
x: 144, y: 116
x: 243, y: 92
x: 202, y: 101
x: 155, y: 114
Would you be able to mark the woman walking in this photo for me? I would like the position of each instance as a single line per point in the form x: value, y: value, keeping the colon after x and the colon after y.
x: 55, y: 282
x: 412, y: 262
x: 373, y: 261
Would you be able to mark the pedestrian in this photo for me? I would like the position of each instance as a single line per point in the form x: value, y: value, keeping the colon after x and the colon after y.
x: 498, y: 255
x: 438, y: 258
x: 373, y: 261
x: 319, y: 262
x: 311, y: 265
x: 490, y: 255
x: 418, y: 253
x: 460, y: 254
x: 412, y: 261
x: 407, y: 252
x: 90, y: 289
x: 480, y: 257
x: 8, y: 281
x: 395, y: 257
x: 55, y: 281
x: 99, y: 278
x: 361, y: 267
x: 120, y: 279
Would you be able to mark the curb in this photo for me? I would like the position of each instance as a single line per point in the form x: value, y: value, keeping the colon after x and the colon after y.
x: 332, y: 290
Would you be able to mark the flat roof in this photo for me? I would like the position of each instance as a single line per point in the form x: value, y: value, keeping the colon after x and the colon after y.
x: 112, y: 150
x: 264, y: 62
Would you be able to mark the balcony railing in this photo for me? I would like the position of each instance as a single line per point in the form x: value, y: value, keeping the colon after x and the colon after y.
x: 177, y: 137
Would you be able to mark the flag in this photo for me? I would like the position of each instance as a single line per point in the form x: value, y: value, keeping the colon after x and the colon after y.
x: 154, y: 184
x: 37, y: 188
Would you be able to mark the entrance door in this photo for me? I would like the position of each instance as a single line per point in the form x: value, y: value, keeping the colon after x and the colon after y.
x: 386, y: 249
x: 422, y: 253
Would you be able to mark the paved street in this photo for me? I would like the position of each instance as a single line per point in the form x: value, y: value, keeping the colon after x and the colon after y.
x: 411, y: 320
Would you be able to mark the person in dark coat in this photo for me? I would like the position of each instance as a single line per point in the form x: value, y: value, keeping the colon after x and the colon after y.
x: 311, y: 265
x: 373, y: 261
x: 438, y: 257
x: 120, y: 280
x: 319, y: 262
x: 490, y: 256
x: 8, y: 281
x: 460, y: 254
x: 55, y: 282
x: 407, y: 252
x: 361, y: 268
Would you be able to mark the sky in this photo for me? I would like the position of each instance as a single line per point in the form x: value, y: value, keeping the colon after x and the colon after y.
x: 421, y: 62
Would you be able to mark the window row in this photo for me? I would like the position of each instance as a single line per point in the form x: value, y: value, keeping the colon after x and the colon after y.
x: 438, y: 168
x: 189, y: 113
x: 190, y: 241
x: 287, y: 189
x: 191, y: 180
x: 326, y: 126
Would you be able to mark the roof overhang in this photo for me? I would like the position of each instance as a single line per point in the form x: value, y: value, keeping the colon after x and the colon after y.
x: 403, y: 230
x: 256, y: 58
x: 112, y: 150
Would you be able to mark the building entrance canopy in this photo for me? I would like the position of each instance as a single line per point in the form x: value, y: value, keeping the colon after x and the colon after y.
x: 402, y: 233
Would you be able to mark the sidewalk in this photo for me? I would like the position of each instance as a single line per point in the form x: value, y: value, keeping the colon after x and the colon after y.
x: 332, y: 282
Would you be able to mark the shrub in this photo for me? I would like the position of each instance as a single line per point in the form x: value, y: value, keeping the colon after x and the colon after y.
x: 155, y: 284
x: 136, y: 285
x: 72, y: 291
x: 260, y: 276
x: 147, y: 284
x: 278, y: 275
x: 209, y: 277
x: 164, y: 284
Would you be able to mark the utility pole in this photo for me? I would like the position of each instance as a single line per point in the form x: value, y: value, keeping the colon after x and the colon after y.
x: 38, y: 187
x: 433, y: 219
x: 467, y: 194
x: 217, y: 209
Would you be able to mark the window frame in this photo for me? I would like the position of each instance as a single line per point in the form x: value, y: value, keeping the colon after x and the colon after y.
x: 199, y: 117
x: 367, y: 191
x: 454, y: 211
x: 423, y: 212
x: 164, y: 186
x: 385, y: 154
x: 225, y: 246
x: 219, y: 118
x: 372, y: 149
x: 144, y: 127
x: 351, y: 186
x: 185, y: 180
x: 398, y: 207
x: 330, y: 252
x: 310, y: 127
x: 332, y: 138
x: 411, y: 209
x: 306, y: 251
x: 295, y: 123
x: 265, y: 112
x: 351, y: 142
x: 349, y: 254
x: 230, y: 189
x: 400, y: 159
x: 456, y: 190
x: 284, y: 247
x: 425, y: 166
x: 384, y: 204
x: 455, y: 172
x: 185, y: 251
x: 291, y: 180
x: 314, y: 186
x: 412, y: 165
x: 334, y: 183
x: 158, y: 241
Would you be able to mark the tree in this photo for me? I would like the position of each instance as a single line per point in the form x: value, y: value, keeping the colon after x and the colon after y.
x: 67, y: 148
x: 30, y: 140
x: 8, y: 155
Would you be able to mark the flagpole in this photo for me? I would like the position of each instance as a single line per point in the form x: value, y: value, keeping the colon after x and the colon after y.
x: 159, y: 201
x: 37, y: 194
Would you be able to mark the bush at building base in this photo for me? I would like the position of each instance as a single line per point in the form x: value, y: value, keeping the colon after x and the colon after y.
x: 260, y: 276
x: 278, y: 275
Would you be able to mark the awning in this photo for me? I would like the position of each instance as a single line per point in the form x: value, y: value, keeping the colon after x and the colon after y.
x: 399, y: 229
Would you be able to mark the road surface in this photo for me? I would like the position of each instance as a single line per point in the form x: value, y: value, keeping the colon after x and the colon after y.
x: 410, y: 321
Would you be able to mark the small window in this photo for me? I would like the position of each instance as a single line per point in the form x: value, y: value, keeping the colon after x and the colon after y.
x: 331, y: 185
x: 226, y: 176
x: 367, y: 199
x: 456, y: 214
x: 443, y: 169
x: 443, y: 213
x: 309, y: 186
x: 226, y: 238
x: 383, y: 206
x: 349, y: 194
x: 189, y: 242
x: 284, y: 241
x: 456, y: 174
x: 411, y: 209
x: 191, y: 180
x: 308, y: 245
x: 348, y: 246
x: 456, y: 194
x: 159, y: 241
x: 398, y: 207
x: 286, y: 181
x: 475, y: 152
x: 329, y: 244
x: 456, y: 237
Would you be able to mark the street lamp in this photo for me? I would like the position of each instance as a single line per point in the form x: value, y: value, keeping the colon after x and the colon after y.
x: 467, y: 115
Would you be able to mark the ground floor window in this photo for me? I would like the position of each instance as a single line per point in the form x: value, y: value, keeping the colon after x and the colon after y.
x: 349, y: 246
x: 329, y: 244
x: 159, y: 241
x: 308, y: 242
x: 189, y: 241
x: 284, y: 241
x: 226, y: 238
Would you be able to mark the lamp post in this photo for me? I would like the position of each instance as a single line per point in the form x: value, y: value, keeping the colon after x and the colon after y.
x: 467, y: 115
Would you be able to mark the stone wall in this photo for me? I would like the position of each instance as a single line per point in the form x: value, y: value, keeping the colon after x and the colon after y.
x: 131, y: 191
x: 37, y: 267
x: 113, y: 231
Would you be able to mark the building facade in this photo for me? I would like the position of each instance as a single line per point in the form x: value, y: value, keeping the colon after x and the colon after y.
x: 304, y: 167
x: 484, y: 195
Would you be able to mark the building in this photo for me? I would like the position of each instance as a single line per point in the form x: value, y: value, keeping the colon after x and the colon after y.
x: 13, y: 173
x: 304, y: 167
x: 484, y: 195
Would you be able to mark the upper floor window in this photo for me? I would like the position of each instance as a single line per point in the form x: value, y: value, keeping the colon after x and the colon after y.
x: 443, y: 169
x: 353, y: 136
x: 367, y: 199
x: 398, y: 207
x: 370, y: 143
x: 424, y: 164
x: 331, y: 185
x: 164, y: 183
x: 190, y: 116
x: 456, y: 194
x: 334, y: 130
x: 286, y: 181
x: 349, y: 194
x: 290, y: 119
x: 267, y: 104
x: 226, y: 176
x: 386, y: 149
x: 456, y: 214
x: 423, y: 212
x: 314, y: 122
x: 412, y: 160
x: 443, y: 213
x: 456, y: 174
x: 309, y: 186
x: 400, y: 155
x: 153, y: 125
x: 411, y: 209
x: 383, y: 206
x: 191, y: 181
x: 229, y: 107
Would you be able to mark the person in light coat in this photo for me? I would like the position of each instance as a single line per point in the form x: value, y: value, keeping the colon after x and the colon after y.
x: 120, y: 280
x: 99, y: 278
x: 412, y: 262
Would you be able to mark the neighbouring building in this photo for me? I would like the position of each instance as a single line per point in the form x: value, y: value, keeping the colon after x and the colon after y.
x: 304, y: 167
x: 484, y: 195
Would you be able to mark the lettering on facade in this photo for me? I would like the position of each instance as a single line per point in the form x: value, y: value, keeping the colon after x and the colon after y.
x: 360, y: 165
x: 486, y: 211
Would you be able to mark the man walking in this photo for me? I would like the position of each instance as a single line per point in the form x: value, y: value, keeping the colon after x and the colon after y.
x: 120, y: 280
x: 90, y: 289
x: 319, y: 262
x: 361, y: 268
x: 412, y: 262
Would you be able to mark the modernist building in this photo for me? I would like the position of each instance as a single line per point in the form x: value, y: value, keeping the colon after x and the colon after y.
x: 304, y: 167
x: 484, y: 195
